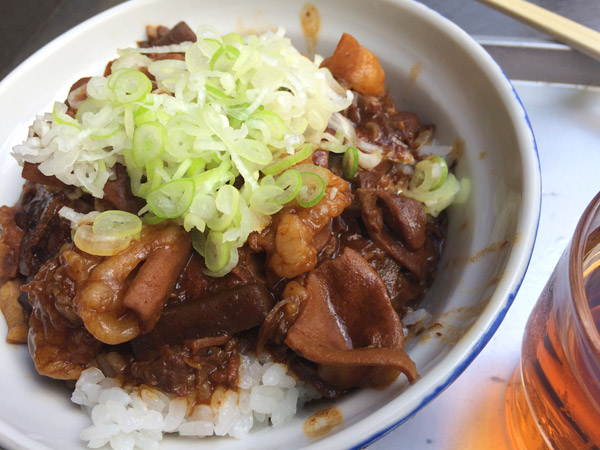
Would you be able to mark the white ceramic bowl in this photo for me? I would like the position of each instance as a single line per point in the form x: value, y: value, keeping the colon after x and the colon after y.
x: 454, y: 84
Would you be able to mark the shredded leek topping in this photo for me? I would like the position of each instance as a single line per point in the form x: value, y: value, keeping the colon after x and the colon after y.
x: 350, y: 163
x: 247, y: 108
x: 214, y: 142
x: 432, y: 185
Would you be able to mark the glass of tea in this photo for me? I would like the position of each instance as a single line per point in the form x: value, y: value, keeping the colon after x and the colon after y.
x: 553, y: 400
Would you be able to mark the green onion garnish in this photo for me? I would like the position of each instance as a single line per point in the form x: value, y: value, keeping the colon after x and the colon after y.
x: 172, y: 199
x: 129, y: 85
x: 117, y: 224
x: 312, y: 190
x: 350, y: 163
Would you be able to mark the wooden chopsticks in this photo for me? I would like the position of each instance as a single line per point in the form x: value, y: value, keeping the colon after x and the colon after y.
x: 565, y: 30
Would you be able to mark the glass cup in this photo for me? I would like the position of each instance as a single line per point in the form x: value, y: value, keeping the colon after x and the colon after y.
x: 553, y: 399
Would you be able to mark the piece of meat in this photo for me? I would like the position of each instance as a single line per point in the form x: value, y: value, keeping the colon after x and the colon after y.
x: 16, y: 318
x: 118, y: 192
x: 77, y: 95
x: 10, y: 243
x: 415, y: 261
x: 225, y: 312
x: 281, y: 317
x: 194, y: 283
x: 320, y: 158
x: 155, y: 280
x: 357, y: 65
x: 403, y: 287
x: 58, y: 343
x: 32, y: 173
x: 378, y: 121
x: 375, y: 178
x: 45, y: 231
x: 191, y: 368
x: 78, y: 300
x: 162, y: 35
x: 405, y: 217
x: 108, y: 312
x: 348, y: 326
x: 289, y: 240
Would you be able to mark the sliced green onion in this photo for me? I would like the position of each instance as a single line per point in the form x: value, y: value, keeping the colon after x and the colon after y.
x: 152, y: 218
x: 215, y: 148
x: 435, y: 201
x: 227, y: 199
x: 143, y: 115
x: 464, y: 191
x: 60, y: 116
x: 130, y: 85
x: 233, y: 38
x: 223, y: 98
x: 312, y: 190
x: 117, y: 224
x: 268, y: 180
x: 172, y: 199
x: 322, y: 172
x: 148, y: 142
x: 90, y: 105
x: 444, y: 171
x: 255, y: 151
x: 263, y: 199
x: 272, y: 121
x: 107, y: 131
x: 301, y: 154
x: 291, y: 182
x: 231, y: 52
x: 197, y: 167
x: 129, y: 120
x: 350, y: 163
x: 216, y: 251
x: 430, y: 174
x: 226, y: 202
x: 179, y: 143
x: 86, y: 240
x: 216, y: 55
x: 198, y: 240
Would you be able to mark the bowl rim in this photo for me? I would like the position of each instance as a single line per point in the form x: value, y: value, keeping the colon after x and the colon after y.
x: 465, y: 350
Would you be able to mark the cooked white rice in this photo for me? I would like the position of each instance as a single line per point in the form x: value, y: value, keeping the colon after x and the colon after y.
x: 126, y: 418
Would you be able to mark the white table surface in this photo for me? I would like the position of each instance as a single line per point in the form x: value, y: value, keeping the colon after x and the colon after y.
x: 469, y: 415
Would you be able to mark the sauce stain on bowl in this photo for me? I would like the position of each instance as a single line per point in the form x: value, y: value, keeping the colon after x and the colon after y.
x: 415, y: 71
x: 261, y: 24
x: 493, y: 247
x: 322, y: 422
x: 458, y: 149
x: 310, y: 19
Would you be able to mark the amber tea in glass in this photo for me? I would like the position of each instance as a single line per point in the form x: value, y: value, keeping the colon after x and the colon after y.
x: 553, y: 400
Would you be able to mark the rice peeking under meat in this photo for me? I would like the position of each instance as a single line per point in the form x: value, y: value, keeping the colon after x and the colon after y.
x: 219, y: 230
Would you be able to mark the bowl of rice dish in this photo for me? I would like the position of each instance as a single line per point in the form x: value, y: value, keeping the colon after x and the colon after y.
x: 253, y: 225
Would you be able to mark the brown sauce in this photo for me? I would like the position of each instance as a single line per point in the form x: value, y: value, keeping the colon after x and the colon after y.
x: 322, y: 422
x: 415, y: 71
x: 310, y: 19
